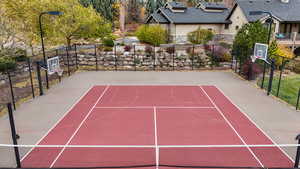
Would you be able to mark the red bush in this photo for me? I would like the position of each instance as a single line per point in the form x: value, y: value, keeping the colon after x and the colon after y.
x: 127, y: 48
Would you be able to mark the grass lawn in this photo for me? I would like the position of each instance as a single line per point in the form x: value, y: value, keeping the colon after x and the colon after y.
x: 288, y: 89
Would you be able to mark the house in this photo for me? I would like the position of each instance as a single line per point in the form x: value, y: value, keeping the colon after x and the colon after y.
x: 179, y: 20
x: 286, y: 17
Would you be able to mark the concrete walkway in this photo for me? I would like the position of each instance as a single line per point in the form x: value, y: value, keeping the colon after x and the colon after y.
x: 33, y: 119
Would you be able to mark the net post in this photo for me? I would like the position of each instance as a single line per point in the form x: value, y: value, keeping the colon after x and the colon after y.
x: 30, y: 76
x: 271, y: 77
x: 11, y: 90
x: 298, y: 153
x: 157, y: 157
x: 38, y: 69
x: 14, y: 134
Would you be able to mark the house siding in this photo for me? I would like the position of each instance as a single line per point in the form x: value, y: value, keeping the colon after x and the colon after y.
x: 179, y: 32
x: 238, y: 19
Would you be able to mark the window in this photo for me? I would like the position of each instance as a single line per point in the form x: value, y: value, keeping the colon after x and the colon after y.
x: 227, y: 26
x: 237, y: 27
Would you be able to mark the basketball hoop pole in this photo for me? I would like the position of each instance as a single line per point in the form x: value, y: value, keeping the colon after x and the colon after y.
x: 269, y: 37
x: 38, y: 68
x: 271, y: 76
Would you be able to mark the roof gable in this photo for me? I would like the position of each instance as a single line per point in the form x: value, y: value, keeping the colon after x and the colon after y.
x: 284, y: 12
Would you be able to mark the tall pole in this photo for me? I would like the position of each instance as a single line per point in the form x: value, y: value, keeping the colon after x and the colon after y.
x: 269, y: 39
x: 43, y: 46
x: 14, y: 134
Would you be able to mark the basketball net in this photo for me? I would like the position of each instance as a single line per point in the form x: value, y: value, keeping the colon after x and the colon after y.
x: 253, y: 58
x: 59, y: 72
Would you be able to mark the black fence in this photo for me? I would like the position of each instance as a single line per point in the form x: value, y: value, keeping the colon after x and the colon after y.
x: 271, y: 76
x: 29, y: 78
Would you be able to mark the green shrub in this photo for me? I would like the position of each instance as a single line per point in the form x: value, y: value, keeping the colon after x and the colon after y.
x: 154, y: 35
x: 200, y: 36
x: 225, y: 45
x: 7, y: 63
x: 297, y: 68
x: 109, y: 41
x: 107, y: 48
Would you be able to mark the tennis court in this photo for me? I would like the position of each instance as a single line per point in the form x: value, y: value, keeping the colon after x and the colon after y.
x: 155, y: 126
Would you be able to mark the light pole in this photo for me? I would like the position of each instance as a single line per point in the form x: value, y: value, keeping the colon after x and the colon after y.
x: 42, y: 38
x: 269, y: 37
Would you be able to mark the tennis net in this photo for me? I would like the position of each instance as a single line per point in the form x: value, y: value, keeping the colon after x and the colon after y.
x: 157, y: 156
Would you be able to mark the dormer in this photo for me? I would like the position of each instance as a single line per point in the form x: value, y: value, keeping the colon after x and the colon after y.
x: 211, y: 6
x: 176, y: 6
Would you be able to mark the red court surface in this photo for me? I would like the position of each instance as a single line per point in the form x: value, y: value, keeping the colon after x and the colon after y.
x: 156, y: 126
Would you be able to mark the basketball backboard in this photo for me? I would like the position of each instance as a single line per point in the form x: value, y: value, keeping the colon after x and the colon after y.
x: 260, y: 52
x: 53, y: 65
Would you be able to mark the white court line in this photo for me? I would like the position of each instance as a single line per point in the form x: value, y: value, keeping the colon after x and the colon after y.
x: 67, y: 112
x: 256, y: 125
x: 221, y: 113
x: 156, y: 139
x: 75, y: 132
x: 157, y: 107
x: 152, y: 146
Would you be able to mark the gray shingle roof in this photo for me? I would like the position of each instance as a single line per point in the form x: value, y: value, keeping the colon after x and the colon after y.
x: 195, y: 15
x: 159, y: 18
x: 212, y: 5
x: 177, y: 5
x: 289, y: 12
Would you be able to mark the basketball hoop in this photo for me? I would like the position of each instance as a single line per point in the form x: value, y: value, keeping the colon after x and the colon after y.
x: 260, y: 52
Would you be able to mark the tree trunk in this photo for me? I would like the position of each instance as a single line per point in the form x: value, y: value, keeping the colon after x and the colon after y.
x: 122, y: 15
x: 69, y: 43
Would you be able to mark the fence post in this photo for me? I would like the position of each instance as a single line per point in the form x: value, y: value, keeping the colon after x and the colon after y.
x: 271, y: 77
x: 236, y: 61
x: 115, y: 52
x: 264, y: 74
x: 173, y: 57
x: 76, y: 56
x: 14, y: 135
x: 134, y: 58
x: 30, y: 75
x: 298, y: 99
x: 38, y: 69
x: 213, y: 60
x: 96, y: 57
x: 154, y: 59
x: 280, y: 76
x: 11, y: 90
x: 193, y: 57
x: 68, y: 61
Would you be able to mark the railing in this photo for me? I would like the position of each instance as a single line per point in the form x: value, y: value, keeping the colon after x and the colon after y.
x: 287, y: 36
